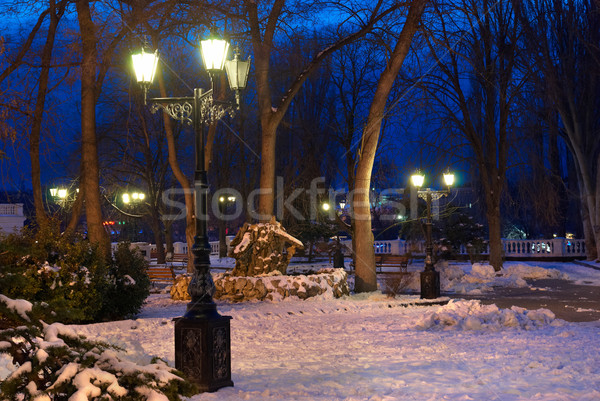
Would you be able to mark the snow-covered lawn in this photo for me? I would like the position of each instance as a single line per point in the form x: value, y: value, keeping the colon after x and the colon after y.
x: 369, y: 347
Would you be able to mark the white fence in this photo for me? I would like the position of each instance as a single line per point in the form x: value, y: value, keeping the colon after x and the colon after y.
x: 11, y: 217
x: 178, y: 247
x: 514, y: 248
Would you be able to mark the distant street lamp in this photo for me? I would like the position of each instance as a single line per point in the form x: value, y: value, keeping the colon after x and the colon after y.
x: 133, y: 197
x: 430, y: 278
x: 224, y: 201
x: 62, y: 196
x: 202, y: 335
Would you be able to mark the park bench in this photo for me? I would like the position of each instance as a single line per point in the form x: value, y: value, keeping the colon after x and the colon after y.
x: 393, y: 262
x: 180, y: 258
x: 162, y: 275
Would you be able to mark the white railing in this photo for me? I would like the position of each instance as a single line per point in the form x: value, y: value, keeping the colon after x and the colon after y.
x: 182, y: 247
x: 11, y: 209
x: 514, y: 248
x: 556, y: 247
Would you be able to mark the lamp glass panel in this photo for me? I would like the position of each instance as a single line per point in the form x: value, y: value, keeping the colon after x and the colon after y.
x: 237, y: 73
x: 449, y: 179
x: 126, y: 198
x: 62, y: 193
x: 53, y: 191
x: 214, y: 52
x: 418, y: 180
x: 144, y: 65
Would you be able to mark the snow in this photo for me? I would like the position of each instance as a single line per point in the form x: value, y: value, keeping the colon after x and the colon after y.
x: 19, y: 306
x: 464, y: 278
x: 370, y: 347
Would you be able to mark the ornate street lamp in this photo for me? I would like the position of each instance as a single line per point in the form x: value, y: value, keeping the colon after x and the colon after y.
x: 430, y: 278
x: 202, y: 335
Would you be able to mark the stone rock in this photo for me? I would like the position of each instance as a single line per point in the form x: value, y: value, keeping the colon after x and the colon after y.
x: 179, y: 290
x: 259, y: 249
x: 269, y: 287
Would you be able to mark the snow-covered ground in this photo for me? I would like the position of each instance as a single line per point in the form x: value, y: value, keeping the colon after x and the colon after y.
x: 370, y: 347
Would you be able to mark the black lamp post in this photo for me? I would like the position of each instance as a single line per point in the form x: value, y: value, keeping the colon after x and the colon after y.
x: 430, y: 278
x: 202, y: 335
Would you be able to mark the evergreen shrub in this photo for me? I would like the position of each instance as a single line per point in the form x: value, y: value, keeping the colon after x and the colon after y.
x: 72, y: 276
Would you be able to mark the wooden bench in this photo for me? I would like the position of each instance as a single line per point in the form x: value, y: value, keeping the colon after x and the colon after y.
x: 180, y: 258
x: 394, y: 262
x: 161, y: 275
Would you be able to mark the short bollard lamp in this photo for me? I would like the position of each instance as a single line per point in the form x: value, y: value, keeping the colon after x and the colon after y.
x: 430, y: 278
x: 202, y: 335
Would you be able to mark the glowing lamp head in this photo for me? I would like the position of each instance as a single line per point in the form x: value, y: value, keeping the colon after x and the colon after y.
x: 126, y: 198
x: 326, y: 207
x: 144, y: 64
x: 417, y: 179
x: 62, y: 193
x: 449, y: 179
x: 214, y: 52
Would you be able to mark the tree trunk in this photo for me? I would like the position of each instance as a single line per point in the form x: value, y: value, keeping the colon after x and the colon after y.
x: 89, y: 148
x: 75, y: 213
x: 495, y: 235
x: 158, y: 237
x: 266, y: 198
x: 365, y: 276
x: 38, y: 115
x: 190, y: 223
x: 588, y: 234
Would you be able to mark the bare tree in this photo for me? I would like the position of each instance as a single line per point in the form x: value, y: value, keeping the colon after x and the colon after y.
x: 562, y: 39
x: 264, y: 24
x: 366, y: 279
x: 476, y: 47
x: 56, y: 13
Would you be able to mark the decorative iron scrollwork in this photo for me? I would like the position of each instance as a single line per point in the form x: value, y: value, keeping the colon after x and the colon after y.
x: 212, y: 112
x: 220, y: 353
x: 179, y: 111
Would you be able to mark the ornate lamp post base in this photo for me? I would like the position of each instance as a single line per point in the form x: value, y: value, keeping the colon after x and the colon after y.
x: 203, y: 351
x: 430, y: 284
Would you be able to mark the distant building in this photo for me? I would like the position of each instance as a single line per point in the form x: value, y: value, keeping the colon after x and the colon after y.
x: 11, y: 217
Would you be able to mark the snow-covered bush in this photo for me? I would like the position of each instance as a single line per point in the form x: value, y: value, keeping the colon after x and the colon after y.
x: 51, y: 362
x: 72, y: 276
x: 129, y: 285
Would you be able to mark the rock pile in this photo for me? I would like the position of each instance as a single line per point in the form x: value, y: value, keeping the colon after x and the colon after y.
x: 273, y: 286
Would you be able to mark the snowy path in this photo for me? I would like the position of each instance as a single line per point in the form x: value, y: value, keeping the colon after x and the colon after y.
x: 375, y: 349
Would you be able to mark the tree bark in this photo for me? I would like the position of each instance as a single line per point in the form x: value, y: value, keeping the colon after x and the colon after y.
x: 495, y: 235
x: 190, y: 223
x: 89, y: 147
x: 366, y: 278
x: 38, y: 115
